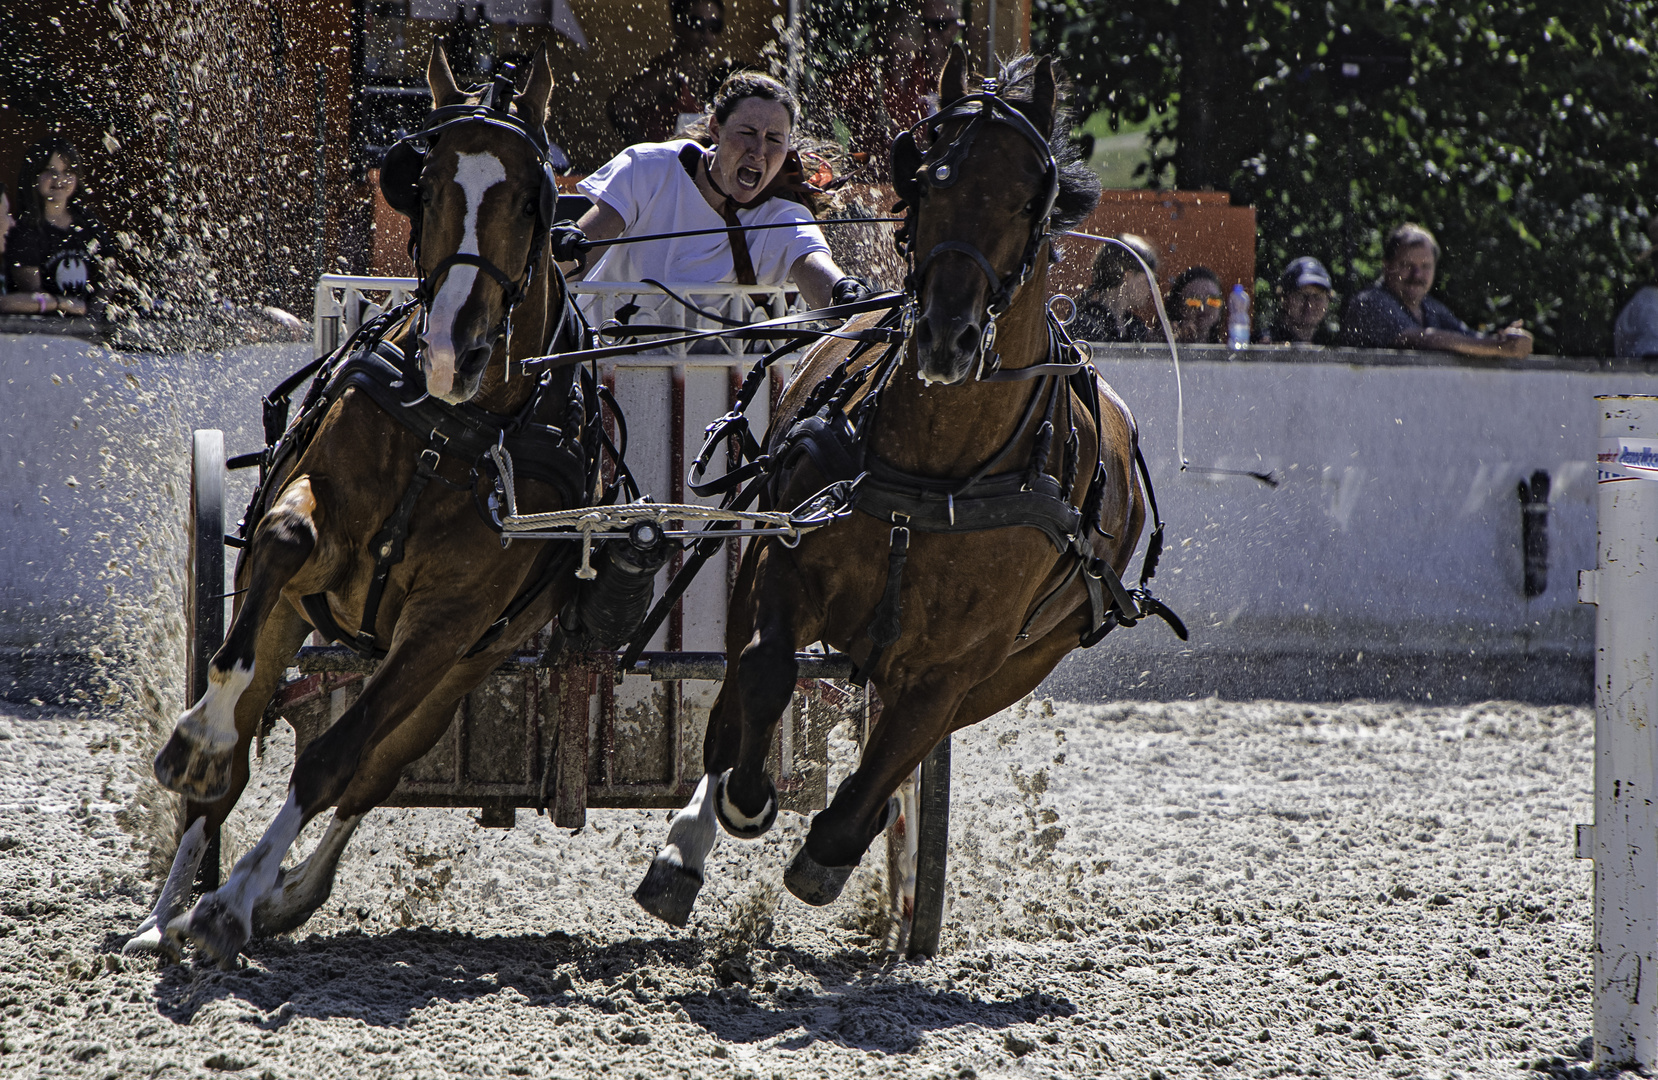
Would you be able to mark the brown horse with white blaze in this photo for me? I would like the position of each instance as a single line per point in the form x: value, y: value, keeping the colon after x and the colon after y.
x: 950, y: 603
x: 323, y: 553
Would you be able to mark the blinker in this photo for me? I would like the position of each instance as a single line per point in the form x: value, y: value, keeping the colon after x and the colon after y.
x: 941, y: 173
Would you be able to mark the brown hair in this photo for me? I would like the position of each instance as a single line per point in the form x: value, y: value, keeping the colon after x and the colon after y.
x: 1408, y: 235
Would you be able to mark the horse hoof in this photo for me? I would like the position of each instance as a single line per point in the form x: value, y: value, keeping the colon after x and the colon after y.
x: 150, y: 939
x: 812, y: 882
x: 199, y: 773
x: 668, y: 891
x: 214, y: 928
x: 739, y: 824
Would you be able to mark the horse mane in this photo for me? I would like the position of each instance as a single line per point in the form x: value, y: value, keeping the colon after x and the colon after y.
x: 1079, y: 188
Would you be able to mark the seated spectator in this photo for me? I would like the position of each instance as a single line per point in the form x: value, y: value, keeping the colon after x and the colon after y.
x: 1397, y: 312
x: 53, y: 247
x: 656, y: 104
x: 1303, y: 302
x: 1635, y: 334
x: 1196, y: 308
x: 1109, y: 307
x: 20, y: 303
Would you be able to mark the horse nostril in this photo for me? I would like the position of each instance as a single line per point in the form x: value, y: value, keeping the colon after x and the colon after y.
x: 967, y: 340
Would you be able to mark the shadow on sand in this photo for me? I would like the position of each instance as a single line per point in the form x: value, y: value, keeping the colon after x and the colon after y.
x: 384, y: 980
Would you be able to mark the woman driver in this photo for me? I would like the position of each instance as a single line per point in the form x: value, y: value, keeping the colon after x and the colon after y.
x: 745, y: 176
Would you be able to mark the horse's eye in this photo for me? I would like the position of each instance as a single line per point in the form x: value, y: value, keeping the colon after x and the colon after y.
x: 530, y: 207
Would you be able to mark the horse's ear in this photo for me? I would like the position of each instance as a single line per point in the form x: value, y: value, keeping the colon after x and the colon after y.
x: 441, y: 80
x: 953, y: 83
x: 538, y: 92
x: 1045, y: 99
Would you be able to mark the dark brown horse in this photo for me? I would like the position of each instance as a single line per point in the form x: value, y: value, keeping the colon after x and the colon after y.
x: 955, y: 587
x: 354, y: 480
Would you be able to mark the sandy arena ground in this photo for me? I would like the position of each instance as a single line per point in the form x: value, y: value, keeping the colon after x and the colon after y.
x: 1204, y: 889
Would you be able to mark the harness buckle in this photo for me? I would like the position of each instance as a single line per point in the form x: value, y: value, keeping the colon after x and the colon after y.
x: 429, y: 459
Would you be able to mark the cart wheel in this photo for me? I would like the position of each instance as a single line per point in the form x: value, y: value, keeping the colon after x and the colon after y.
x: 204, y: 601
x: 932, y: 851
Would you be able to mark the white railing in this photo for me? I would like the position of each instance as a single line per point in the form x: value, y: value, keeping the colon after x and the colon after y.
x: 344, y: 301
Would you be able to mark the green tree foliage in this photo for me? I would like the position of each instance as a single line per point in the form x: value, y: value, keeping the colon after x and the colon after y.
x: 1523, y: 132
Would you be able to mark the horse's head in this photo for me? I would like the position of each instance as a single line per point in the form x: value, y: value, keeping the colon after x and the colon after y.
x: 986, y: 178
x: 479, y: 192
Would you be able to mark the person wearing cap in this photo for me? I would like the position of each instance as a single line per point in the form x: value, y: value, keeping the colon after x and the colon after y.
x: 1304, y: 291
x: 1635, y: 334
x: 1397, y: 313
x: 1108, y: 308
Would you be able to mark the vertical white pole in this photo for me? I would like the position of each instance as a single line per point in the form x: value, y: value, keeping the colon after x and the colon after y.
x: 1625, y: 835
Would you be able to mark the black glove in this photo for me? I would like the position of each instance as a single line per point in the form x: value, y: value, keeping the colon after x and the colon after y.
x: 849, y: 290
x: 569, y: 242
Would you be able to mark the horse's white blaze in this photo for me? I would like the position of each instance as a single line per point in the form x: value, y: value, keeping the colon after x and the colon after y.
x: 210, y: 724
x: 476, y: 174
x: 191, y: 846
x: 694, y: 830
x: 257, y: 871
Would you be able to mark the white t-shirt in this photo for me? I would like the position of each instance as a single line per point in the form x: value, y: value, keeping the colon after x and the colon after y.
x: 1636, y: 332
x: 650, y: 189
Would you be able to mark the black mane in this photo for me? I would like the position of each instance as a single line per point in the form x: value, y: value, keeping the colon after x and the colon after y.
x: 1079, y: 188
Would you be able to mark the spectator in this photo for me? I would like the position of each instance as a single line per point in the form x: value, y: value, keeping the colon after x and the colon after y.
x: 746, y: 174
x: 1303, y: 302
x: 1635, y: 334
x: 889, y: 93
x: 1111, y: 304
x: 1195, y: 307
x: 656, y: 104
x: 1397, y: 312
x: 20, y: 303
x: 53, y: 247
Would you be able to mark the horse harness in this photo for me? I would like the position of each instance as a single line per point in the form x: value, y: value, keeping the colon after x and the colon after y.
x: 557, y: 437
x: 835, y: 423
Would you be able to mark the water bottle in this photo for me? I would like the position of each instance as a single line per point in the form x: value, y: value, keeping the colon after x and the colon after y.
x: 1237, y: 318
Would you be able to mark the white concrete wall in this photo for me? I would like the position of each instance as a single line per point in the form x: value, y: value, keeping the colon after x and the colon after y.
x: 1394, y: 532
x: 92, y: 488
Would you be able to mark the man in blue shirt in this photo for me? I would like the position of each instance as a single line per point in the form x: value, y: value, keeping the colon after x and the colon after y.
x: 1397, y: 312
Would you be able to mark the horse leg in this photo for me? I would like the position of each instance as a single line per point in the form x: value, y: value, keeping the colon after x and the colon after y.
x: 758, y: 684
x: 861, y: 808
x: 298, y: 892
x: 745, y: 799
x: 198, y: 760
x: 280, y: 637
x: 222, y: 921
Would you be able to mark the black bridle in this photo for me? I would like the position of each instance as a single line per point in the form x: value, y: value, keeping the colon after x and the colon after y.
x: 400, y: 176
x: 940, y: 166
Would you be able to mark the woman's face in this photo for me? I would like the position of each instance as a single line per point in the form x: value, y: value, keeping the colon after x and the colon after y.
x: 56, y: 182
x: 1200, y: 311
x: 749, y: 147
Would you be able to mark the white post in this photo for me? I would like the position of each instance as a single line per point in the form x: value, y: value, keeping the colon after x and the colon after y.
x: 1624, y: 838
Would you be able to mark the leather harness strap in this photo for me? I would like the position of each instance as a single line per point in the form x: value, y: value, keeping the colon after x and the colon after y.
x: 565, y: 458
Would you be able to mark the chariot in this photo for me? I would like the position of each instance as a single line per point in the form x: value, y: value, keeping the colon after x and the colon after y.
x: 562, y: 736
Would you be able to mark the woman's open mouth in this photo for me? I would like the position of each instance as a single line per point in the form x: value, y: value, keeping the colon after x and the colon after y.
x: 747, y: 177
